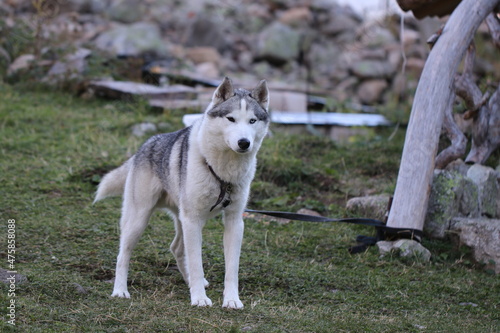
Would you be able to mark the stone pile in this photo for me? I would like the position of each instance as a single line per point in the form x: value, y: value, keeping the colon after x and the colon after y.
x: 352, y: 58
x: 464, y: 205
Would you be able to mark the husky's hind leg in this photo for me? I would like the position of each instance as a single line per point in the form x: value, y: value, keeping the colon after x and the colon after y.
x: 177, y: 249
x: 140, y: 198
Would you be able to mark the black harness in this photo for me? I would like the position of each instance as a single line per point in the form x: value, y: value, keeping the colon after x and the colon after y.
x: 225, y: 188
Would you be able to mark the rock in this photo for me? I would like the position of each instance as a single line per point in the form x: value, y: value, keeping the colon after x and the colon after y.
x: 70, y: 67
x: 22, y: 62
x: 203, y: 54
x: 451, y: 195
x: 406, y: 248
x: 278, y: 44
x: 325, y: 57
x: 486, y: 180
x: 376, y: 36
x: 296, y: 17
x: 79, y: 289
x: 384, y: 247
x: 141, y: 129
x: 374, y: 206
x: 306, y: 211
x: 410, y: 37
x: 132, y: 40
x: 372, y: 69
x: 208, y: 70
x: 483, y: 236
x: 88, y: 6
x: 126, y: 11
x: 370, y: 91
x: 340, y: 23
x: 204, y: 31
x: 415, y: 66
x: 288, y: 101
x: 8, y: 277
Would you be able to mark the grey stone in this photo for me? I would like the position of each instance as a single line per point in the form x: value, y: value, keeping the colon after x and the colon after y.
x: 22, y: 62
x: 340, y: 25
x: 70, y: 67
x: 370, y: 91
x: 205, y: 31
x: 374, y: 206
x: 486, y: 180
x: 411, y: 248
x: 88, y: 6
x: 126, y: 11
x: 384, y: 247
x: 451, y: 195
x: 6, y: 277
x: 79, y: 289
x: 483, y: 236
x: 142, y: 129
x: 132, y: 40
x: 377, y: 36
x: 372, y: 69
x: 406, y: 248
x: 278, y: 44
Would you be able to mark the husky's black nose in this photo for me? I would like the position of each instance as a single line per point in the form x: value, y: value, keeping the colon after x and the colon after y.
x: 243, y: 144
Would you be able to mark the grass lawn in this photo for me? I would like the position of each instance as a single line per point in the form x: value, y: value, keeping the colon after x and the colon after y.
x: 294, y: 277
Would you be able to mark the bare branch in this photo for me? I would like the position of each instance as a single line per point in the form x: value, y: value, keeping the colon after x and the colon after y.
x: 493, y: 23
x: 457, y: 138
x: 486, y: 131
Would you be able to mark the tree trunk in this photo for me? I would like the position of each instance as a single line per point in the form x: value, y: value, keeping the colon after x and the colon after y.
x: 413, y: 186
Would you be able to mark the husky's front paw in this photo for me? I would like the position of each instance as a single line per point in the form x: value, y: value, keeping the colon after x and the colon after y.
x: 201, y: 302
x: 232, y: 304
x: 120, y: 294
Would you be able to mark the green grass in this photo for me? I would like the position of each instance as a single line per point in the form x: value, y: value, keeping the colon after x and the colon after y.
x: 295, y: 277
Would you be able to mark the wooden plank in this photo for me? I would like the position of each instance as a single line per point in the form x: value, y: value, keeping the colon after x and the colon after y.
x: 316, y: 118
x: 413, y: 186
x: 124, y: 89
x: 329, y: 118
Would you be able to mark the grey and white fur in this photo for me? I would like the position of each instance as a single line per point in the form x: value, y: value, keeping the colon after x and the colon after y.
x: 195, y: 173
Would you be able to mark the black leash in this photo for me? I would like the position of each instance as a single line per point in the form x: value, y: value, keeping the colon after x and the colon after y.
x: 383, y: 231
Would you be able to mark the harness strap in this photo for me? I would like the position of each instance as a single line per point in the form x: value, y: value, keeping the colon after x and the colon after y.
x: 383, y: 231
x: 225, y: 187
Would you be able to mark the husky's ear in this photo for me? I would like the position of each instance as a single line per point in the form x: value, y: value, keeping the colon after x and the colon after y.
x: 223, y: 92
x: 261, y: 94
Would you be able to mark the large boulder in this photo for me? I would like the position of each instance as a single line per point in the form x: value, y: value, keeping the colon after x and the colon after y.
x: 452, y: 195
x: 205, y: 31
x: 133, y: 40
x: 278, y: 44
x: 126, y: 11
x: 372, y: 69
x: 485, y: 179
x: 373, y: 206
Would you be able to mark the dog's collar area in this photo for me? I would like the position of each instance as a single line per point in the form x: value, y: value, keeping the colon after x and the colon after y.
x: 225, y: 188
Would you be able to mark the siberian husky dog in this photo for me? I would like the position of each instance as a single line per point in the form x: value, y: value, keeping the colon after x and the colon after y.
x: 195, y: 173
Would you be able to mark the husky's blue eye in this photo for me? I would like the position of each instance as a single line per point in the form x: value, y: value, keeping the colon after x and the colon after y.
x: 252, y: 121
x: 231, y: 119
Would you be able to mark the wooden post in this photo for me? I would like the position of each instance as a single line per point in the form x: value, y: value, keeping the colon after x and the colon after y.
x: 434, y: 90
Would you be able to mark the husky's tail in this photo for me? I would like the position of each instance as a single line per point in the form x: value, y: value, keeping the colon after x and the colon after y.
x: 113, y: 183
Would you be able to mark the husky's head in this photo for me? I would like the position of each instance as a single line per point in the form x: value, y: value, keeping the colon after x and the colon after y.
x: 239, y: 117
